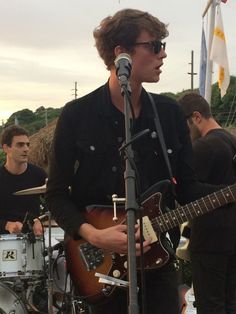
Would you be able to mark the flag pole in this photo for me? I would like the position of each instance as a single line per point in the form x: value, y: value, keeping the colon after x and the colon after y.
x: 207, y: 8
x: 212, y: 5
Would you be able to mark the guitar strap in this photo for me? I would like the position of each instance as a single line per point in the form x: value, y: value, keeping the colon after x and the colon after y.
x: 161, y: 139
x: 175, y: 232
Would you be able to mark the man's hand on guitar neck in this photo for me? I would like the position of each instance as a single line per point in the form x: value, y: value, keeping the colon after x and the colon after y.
x: 112, y: 239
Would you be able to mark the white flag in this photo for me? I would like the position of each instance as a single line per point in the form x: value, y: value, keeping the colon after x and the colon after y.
x: 219, y: 53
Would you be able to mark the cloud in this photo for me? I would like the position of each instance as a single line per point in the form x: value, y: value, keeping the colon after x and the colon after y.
x: 47, y: 45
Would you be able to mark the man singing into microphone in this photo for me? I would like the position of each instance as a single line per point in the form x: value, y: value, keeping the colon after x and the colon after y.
x: 86, y: 155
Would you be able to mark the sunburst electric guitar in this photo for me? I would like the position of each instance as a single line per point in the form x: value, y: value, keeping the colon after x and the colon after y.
x: 85, y: 260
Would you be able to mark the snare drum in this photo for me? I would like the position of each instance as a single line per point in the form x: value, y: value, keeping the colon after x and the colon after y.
x: 19, y: 257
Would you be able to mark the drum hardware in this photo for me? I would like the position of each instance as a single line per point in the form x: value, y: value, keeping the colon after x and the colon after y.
x: 38, y: 297
x: 78, y: 306
x: 27, y: 228
x: 72, y: 305
x: 30, y: 282
x: 31, y: 292
x: 56, y: 234
x: 58, y: 289
x: 34, y: 295
x: 64, y: 299
x: 49, y: 253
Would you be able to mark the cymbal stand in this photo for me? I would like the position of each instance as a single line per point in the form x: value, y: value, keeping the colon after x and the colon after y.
x: 50, y: 277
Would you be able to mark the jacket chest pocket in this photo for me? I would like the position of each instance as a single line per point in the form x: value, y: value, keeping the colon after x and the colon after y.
x: 98, y: 159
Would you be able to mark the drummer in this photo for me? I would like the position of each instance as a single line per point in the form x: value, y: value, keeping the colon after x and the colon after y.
x: 18, y: 213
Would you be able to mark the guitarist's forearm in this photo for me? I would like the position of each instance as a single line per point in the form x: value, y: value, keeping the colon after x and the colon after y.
x: 88, y: 233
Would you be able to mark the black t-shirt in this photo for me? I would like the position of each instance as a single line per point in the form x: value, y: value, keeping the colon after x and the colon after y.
x: 14, y: 207
x: 213, y: 158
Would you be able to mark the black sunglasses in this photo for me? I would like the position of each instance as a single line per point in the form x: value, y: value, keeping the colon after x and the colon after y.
x: 156, y: 45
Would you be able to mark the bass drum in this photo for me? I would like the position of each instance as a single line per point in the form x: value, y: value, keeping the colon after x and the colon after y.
x: 10, y: 301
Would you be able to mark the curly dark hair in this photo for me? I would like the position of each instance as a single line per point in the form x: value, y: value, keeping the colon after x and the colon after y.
x: 123, y: 28
x: 11, y: 131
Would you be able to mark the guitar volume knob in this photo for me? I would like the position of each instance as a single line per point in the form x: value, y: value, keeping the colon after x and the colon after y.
x: 116, y: 273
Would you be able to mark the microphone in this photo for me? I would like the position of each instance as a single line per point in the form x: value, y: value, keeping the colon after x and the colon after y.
x: 123, y: 66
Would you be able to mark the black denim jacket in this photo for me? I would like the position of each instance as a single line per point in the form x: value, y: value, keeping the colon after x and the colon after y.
x: 86, y: 155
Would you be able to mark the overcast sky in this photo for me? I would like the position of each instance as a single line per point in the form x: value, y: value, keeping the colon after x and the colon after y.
x: 47, y: 45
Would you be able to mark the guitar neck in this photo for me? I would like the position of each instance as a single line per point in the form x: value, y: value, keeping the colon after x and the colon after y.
x: 194, y: 209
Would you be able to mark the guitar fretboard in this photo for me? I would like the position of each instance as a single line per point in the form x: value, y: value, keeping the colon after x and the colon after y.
x: 194, y: 209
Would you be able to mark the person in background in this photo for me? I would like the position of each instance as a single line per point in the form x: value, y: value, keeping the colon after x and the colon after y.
x: 86, y: 165
x: 213, y: 236
x: 17, y: 174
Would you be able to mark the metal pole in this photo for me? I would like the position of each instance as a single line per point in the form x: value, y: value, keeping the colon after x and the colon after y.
x: 50, y: 275
x: 131, y: 205
x: 192, y: 73
x: 131, y: 208
x: 207, y: 7
x: 75, y: 90
x: 209, y: 62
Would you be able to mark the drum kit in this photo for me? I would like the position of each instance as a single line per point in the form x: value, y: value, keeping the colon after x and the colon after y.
x: 33, y: 275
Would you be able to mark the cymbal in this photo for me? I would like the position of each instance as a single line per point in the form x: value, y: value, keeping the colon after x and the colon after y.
x: 37, y: 190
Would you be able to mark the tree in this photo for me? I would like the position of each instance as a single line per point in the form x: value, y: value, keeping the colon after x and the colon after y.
x: 224, y: 109
x: 33, y: 121
x: 24, y: 117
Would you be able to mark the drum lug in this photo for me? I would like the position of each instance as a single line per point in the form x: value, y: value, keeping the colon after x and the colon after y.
x: 23, y: 247
x: 24, y: 261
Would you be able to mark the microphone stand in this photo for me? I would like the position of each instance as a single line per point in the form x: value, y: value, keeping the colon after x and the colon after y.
x: 131, y: 205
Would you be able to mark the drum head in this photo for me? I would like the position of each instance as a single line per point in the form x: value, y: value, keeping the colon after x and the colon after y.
x: 10, y: 301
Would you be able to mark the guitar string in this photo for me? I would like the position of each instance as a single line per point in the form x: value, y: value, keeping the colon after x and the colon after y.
x: 170, y: 219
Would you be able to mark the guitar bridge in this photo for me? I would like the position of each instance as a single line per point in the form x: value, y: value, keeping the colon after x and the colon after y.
x: 91, y: 255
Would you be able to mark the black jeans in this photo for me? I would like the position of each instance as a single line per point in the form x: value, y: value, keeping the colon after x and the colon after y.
x: 214, y: 283
x: 162, y: 295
